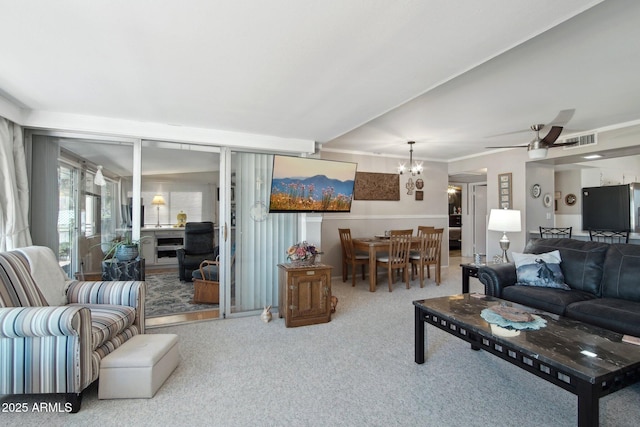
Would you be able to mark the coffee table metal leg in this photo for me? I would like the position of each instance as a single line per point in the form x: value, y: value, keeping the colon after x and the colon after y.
x: 420, y: 331
x: 588, y: 406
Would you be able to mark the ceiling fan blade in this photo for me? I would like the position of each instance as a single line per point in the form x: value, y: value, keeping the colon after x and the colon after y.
x: 563, y: 117
x: 510, y: 146
x: 561, y: 144
x: 551, y: 137
x: 508, y: 133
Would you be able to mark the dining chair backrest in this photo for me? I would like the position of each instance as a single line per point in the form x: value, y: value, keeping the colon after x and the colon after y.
x: 555, y: 232
x: 346, y: 242
x: 609, y: 236
x: 422, y: 229
x: 399, y: 246
x: 431, y: 243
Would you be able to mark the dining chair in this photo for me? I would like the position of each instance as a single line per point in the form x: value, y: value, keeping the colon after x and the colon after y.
x: 555, y: 232
x: 398, y: 256
x: 350, y: 256
x: 421, y: 230
x: 429, y: 253
x: 609, y: 236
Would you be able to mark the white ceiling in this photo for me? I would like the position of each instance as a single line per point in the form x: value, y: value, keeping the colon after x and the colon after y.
x: 356, y: 75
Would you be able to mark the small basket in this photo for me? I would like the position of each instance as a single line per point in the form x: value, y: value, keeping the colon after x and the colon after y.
x: 304, y: 262
x: 206, y: 291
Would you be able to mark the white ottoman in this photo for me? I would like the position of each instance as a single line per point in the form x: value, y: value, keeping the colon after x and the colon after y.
x: 139, y: 367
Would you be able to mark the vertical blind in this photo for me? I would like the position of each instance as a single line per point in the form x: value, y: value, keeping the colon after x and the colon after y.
x: 260, y: 244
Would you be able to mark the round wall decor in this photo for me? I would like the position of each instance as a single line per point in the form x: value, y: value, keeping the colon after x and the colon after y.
x: 536, y: 190
x: 570, y: 199
x: 546, y: 200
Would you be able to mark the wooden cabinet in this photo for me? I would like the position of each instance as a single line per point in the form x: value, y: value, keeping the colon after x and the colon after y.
x: 304, y: 294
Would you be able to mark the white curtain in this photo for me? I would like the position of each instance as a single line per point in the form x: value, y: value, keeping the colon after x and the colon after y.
x: 14, y: 185
x: 45, y: 192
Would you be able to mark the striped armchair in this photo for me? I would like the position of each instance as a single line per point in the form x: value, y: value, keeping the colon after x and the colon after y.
x: 53, y: 332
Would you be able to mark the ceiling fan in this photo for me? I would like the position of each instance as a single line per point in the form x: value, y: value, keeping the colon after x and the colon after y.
x: 538, y: 147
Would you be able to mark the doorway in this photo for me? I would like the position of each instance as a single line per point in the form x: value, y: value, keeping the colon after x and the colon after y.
x: 454, y: 197
x: 471, y: 204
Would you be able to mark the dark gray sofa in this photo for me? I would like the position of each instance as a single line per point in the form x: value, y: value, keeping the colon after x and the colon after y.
x: 604, y: 280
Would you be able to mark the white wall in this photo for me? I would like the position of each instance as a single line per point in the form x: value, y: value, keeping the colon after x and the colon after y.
x: 537, y: 214
x: 570, y: 182
x: 370, y: 217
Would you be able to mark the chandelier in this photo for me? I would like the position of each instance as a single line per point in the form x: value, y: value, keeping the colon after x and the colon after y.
x: 414, y: 168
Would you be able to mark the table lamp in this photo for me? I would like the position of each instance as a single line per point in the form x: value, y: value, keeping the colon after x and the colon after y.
x: 158, y: 201
x: 505, y: 220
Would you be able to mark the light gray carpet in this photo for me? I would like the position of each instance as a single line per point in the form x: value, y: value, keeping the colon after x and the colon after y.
x: 357, y: 370
x: 167, y: 295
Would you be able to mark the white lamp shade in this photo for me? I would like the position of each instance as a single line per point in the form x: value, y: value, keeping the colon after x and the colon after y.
x: 158, y: 200
x: 99, y: 178
x: 538, y: 153
x: 504, y: 220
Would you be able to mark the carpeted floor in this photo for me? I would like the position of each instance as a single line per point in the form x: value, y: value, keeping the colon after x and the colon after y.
x: 357, y: 370
x: 167, y: 295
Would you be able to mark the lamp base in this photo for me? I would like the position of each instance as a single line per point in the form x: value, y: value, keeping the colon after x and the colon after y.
x: 504, y: 245
x: 158, y: 224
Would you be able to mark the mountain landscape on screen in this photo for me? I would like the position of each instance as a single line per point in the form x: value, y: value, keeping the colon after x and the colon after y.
x: 320, y: 191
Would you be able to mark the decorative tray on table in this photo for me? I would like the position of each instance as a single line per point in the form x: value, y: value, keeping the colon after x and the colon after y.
x: 512, y: 318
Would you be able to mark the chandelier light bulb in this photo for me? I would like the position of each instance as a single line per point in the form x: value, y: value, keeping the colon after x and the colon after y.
x: 414, y: 167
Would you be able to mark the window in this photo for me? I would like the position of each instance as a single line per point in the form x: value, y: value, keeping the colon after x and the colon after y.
x: 190, y: 202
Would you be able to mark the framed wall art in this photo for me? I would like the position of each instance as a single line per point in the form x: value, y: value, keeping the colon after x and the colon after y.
x: 377, y: 186
x: 504, y: 190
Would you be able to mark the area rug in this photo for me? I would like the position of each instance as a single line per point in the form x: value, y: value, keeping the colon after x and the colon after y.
x: 167, y: 295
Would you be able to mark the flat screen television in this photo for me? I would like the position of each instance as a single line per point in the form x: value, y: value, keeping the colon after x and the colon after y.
x: 302, y: 184
x: 608, y: 207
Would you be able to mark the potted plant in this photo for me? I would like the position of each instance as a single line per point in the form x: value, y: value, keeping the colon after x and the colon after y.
x: 122, y: 248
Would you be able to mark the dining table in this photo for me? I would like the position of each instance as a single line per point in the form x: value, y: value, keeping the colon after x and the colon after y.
x: 373, y: 245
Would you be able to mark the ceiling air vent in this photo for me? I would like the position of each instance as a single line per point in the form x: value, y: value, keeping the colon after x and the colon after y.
x: 581, y: 141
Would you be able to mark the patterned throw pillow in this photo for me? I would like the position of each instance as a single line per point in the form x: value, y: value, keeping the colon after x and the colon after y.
x: 540, y: 270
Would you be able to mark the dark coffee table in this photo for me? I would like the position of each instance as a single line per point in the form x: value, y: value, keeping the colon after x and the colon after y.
x: 589, y: 362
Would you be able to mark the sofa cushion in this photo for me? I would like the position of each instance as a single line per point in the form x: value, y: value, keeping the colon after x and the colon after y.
x: 582, y: 261
x: 621, y: 277
x: 539, y: 270
x: 107, y: 321
x: 552, y: 300
x: 617, y: 315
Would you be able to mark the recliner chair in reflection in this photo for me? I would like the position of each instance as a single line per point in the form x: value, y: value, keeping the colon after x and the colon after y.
x: 198, y: 246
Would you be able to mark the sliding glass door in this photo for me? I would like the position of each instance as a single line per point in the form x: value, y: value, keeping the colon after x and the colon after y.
x: 74, y: 211
x: 77, y: 213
